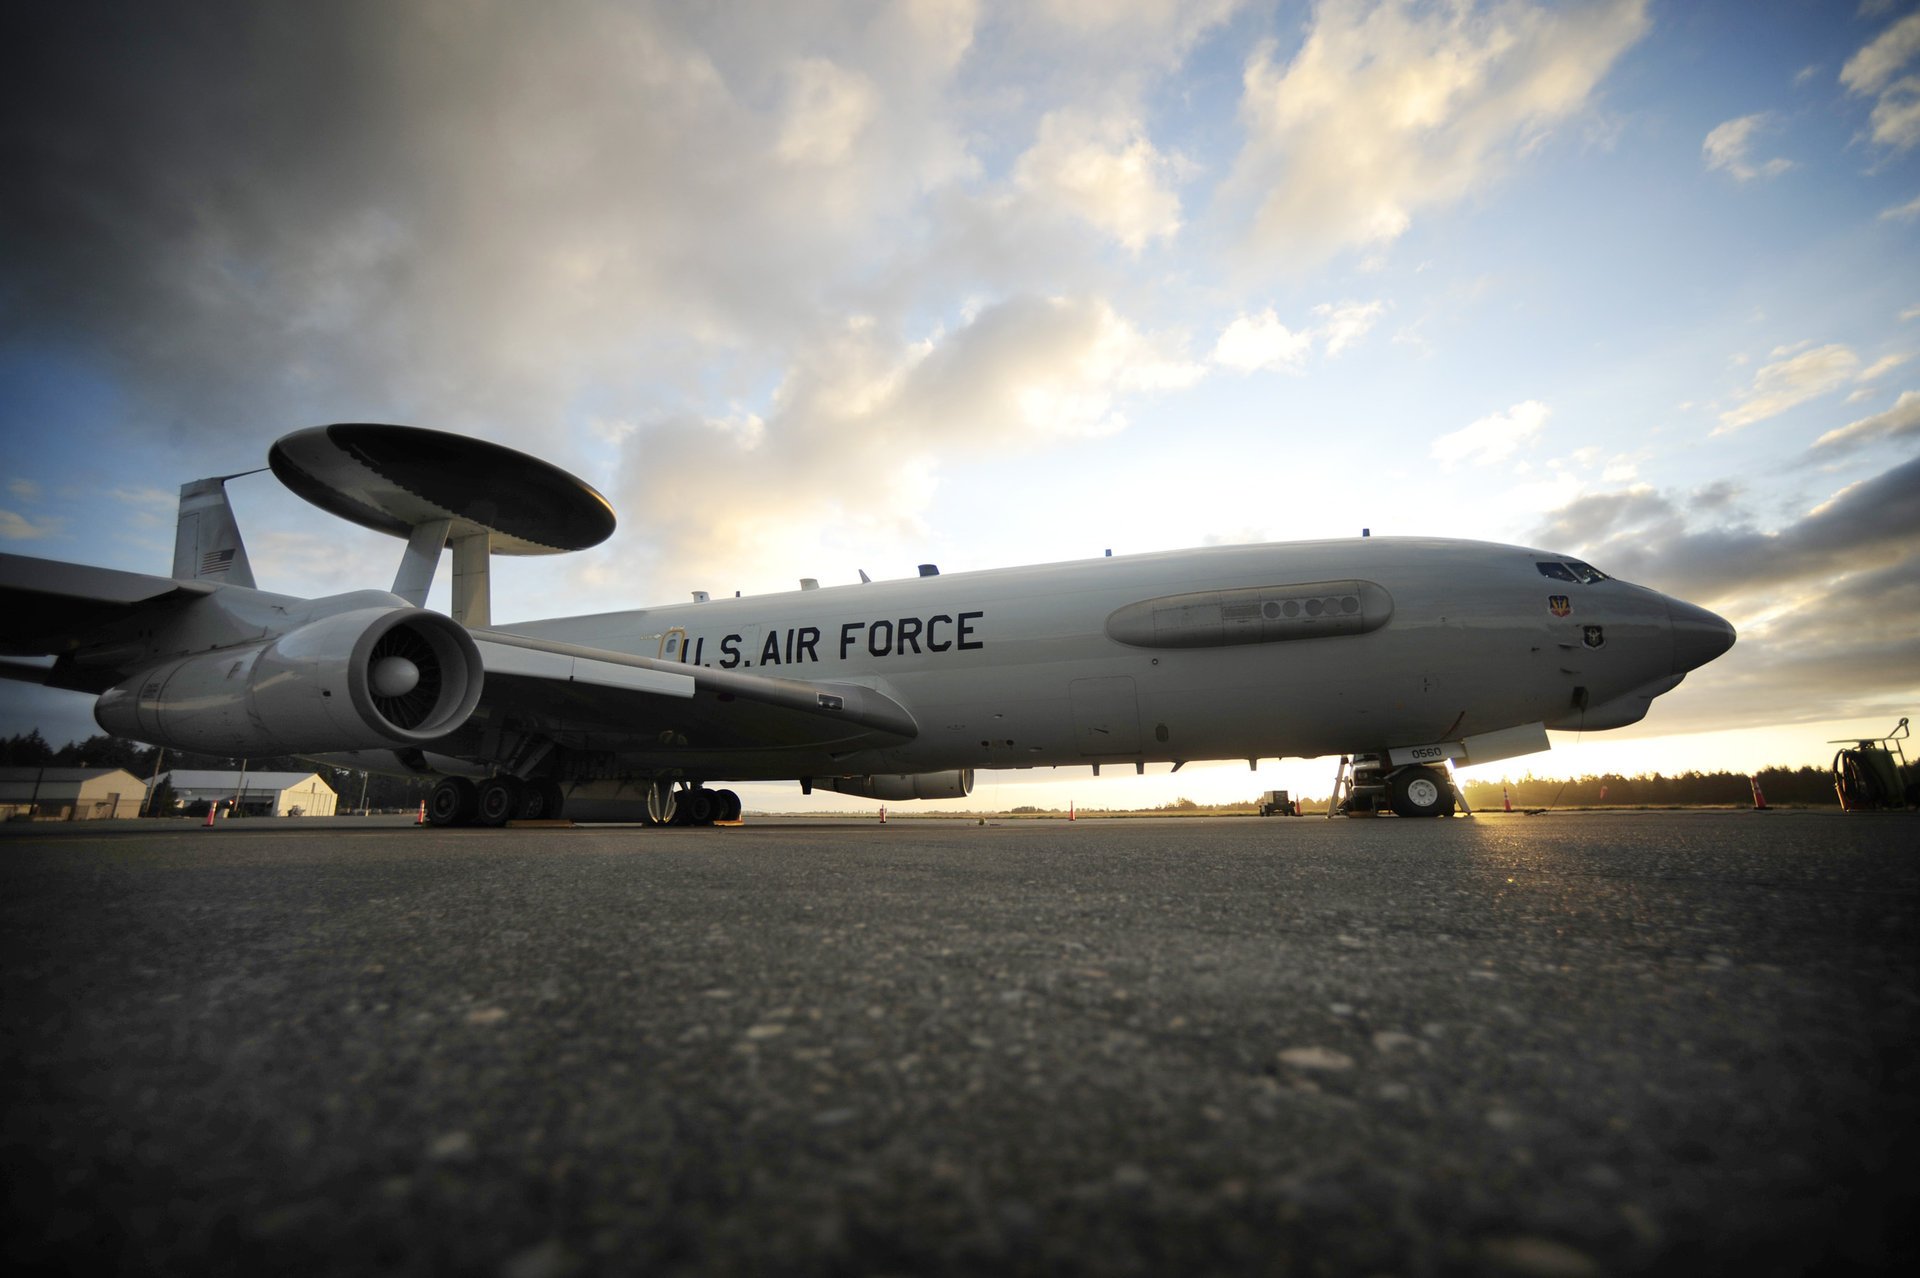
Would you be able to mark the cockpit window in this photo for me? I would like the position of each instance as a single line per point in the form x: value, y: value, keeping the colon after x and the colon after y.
x: 1572, y: 570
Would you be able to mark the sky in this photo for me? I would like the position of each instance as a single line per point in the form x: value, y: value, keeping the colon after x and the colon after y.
x: 810, y: 289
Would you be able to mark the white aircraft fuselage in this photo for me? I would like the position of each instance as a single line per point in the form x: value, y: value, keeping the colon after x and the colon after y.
x: 1019, y: 667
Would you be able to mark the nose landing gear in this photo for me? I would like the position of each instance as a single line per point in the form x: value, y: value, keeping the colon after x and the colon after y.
x: 1365, y: 786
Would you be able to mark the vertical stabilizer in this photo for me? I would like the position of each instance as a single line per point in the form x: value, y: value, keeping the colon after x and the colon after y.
x: 206, y: 542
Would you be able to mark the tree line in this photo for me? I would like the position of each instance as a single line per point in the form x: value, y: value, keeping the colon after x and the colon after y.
x: 1787, y: 786
x: 31, y: 750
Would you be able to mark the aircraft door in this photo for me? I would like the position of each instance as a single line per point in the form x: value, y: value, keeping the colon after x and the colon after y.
x: 673, y: 645
x: 1106, y: 715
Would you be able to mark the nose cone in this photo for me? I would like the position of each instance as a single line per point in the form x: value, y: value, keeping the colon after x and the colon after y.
x: 1698, y: 635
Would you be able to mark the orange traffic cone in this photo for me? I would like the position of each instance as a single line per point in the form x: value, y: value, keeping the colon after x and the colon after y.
x: 883, y: 814
x: 211, y: 809
x: 1506, y: 799
x: 1069, y: 809
x: 421, y: 819
x: 1759, y: 796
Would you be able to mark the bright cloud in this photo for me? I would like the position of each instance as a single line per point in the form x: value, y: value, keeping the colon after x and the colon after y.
x: 1790, y: 381
x: 1261, y: 341
x: 858, y: 429
x: 1902, y: 421
x: 1346, y: 323
x: 1727, y: 148
x: 1876, y: 71
x: 1388, y: 109
x: 1104, y: 170
x: 1493, y: 438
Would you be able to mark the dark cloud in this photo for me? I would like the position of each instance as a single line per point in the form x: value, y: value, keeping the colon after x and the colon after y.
x: 462, y: 212
x: 1828, y: 607
x: 1645, y: 535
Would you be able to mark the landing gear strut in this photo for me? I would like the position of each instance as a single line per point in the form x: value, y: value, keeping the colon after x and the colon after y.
x: 1365, y: 786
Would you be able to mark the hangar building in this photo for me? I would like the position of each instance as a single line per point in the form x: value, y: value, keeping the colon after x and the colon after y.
x: 266, y: 794
x: 70, y: 794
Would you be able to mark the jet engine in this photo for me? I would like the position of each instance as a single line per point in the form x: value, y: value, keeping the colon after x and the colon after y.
x: 366, y: 679
x: 899, y: 787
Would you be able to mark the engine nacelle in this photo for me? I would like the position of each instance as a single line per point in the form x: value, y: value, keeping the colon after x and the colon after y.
x: 900, y: 787
x: 367, y: 679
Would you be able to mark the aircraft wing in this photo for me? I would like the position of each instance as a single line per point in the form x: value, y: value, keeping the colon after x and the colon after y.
x: 679, y: 715
x: 48, y: 608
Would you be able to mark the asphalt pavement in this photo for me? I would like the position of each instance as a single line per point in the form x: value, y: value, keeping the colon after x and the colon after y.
x: 1565, y: 1045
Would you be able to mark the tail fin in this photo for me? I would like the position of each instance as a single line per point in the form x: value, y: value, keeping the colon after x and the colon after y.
x: 206, y: 542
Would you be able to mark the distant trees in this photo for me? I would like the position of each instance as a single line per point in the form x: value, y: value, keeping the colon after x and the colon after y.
x: 1804, y: 785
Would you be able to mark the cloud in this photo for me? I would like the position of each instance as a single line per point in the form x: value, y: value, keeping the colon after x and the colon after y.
x: 24, y: 489
x: 1790, y: 381
x: 17, y: 527
x: 848, y: 451
x: 1261, y: 341
x: 1492, y: 438
x: 1104, y: 170
x: 1387, y: 110
x: 504, y: 209
x: 1902, y: 421
x: 1903, y: 212
x: 828, y: 109
x: 1646, y: 535
x: 1346, y: 323
x: 1727, y: 146
x: 1875, y: 71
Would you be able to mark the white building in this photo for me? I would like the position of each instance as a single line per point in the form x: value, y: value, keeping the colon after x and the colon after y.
x: 266, y: 793
x: 70, y: 794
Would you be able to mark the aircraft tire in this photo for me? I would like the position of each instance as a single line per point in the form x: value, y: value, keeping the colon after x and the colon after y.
x: 496, y: 800
x: 1420, y: 792
x: 540, y: 800
x: 696, y: 806
x: 452, y: 802
x: 726, y: 805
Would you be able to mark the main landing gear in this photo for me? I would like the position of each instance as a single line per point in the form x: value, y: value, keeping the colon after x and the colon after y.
x: 689, y: 805
x: 1366, y: 787
x: 458, y: 801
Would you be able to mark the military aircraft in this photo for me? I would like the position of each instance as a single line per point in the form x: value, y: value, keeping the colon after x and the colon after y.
x: 1409, y: 653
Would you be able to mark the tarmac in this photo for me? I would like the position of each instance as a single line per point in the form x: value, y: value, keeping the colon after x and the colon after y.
x: 1663, y: 1042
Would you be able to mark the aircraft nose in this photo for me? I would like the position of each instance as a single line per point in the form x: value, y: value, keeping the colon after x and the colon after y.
x: 1698, y: 635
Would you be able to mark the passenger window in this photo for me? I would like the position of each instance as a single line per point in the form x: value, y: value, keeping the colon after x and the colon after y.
x: 1559, y: 572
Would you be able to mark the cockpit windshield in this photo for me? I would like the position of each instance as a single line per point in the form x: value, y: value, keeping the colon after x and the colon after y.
x: 1571, y: 570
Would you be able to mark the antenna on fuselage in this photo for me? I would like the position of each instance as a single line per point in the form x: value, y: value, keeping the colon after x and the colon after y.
x: 436, y: 489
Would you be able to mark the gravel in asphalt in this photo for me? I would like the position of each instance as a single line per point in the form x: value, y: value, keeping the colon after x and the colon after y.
x: 1566, y: 1045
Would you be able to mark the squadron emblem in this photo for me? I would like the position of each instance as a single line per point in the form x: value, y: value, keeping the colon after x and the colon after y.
x: 1594, y: 637
x: 1559, y: 605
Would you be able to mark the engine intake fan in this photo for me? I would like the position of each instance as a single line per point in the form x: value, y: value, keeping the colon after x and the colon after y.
x: 367, y: 679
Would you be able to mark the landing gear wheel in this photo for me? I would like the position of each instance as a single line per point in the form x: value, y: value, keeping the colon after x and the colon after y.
x: 662, y: 804
x: 1420, y: 792
x: 540, y: 800
x: 696, y: 806
x: 452, y: 802
x: 496, y: 800
x: 726, y: 805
